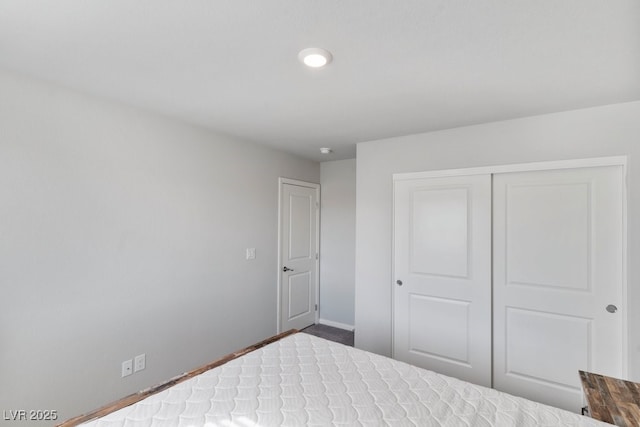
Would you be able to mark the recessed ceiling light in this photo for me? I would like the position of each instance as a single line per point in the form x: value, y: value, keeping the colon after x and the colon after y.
x: 325, y: 150
x: 315, y: 57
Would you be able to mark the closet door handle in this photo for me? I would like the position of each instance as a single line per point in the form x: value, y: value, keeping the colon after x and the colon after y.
x: 285, y: 269
x: 399, y: 282
x: 611, y: 308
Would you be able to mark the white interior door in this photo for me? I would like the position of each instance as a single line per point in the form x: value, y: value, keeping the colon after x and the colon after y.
x: 298, y: 255
x: 558, y: 264
x: 442, y: 265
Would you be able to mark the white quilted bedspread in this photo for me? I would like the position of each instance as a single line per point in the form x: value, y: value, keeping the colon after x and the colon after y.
x: 303, y: 380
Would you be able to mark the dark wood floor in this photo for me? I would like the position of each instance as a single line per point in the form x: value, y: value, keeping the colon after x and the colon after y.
x: 330, y: 333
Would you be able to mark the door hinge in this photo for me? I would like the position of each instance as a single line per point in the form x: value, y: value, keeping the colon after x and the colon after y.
x: 316, y: 307
x: 317, y: 205
x: 316, y: 256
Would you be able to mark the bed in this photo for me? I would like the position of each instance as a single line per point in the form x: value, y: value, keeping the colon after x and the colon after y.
x: 298, y: 379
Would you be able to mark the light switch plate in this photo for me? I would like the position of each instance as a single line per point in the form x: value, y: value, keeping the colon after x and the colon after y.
x: 251, y: 253
x: 127, y: 368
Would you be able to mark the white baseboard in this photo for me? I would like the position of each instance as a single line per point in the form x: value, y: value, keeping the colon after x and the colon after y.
x: 338, y: 325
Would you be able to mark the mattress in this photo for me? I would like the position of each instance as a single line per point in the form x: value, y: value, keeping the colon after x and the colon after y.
x: 304, y: 380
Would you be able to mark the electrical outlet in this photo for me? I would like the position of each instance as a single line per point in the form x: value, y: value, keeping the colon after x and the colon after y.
x: 127, y: 368
x: 251, y: 253
x: 140, y: 362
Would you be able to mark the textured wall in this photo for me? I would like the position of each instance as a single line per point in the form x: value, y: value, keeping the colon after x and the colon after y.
x: 122, y: 233
x: 337, y: 241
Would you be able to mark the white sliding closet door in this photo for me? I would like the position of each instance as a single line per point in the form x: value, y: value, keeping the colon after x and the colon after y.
x: 557, y: 281
x: 442, y: 266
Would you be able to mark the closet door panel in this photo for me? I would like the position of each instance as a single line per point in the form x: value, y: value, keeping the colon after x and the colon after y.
x: 557, y: 264
x: 442, y: 283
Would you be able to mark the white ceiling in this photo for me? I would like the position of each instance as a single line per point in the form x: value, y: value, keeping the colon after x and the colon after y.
x: 399, y: 67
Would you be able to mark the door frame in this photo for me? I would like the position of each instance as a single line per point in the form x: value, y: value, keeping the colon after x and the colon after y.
x: 281, y: 182
x: 531, y: 167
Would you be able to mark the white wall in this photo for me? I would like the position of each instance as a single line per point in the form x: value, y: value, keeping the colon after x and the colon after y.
x: 124, y: 232
x: 337, y: 242
x: 595, y: 132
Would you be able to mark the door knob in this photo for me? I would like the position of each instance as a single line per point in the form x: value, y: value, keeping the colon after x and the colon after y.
x: 611, y: 308
x: 285, y: 269
x: 399, y: 282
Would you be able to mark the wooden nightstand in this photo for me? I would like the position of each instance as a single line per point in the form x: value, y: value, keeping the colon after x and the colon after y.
x: 612, y: 400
